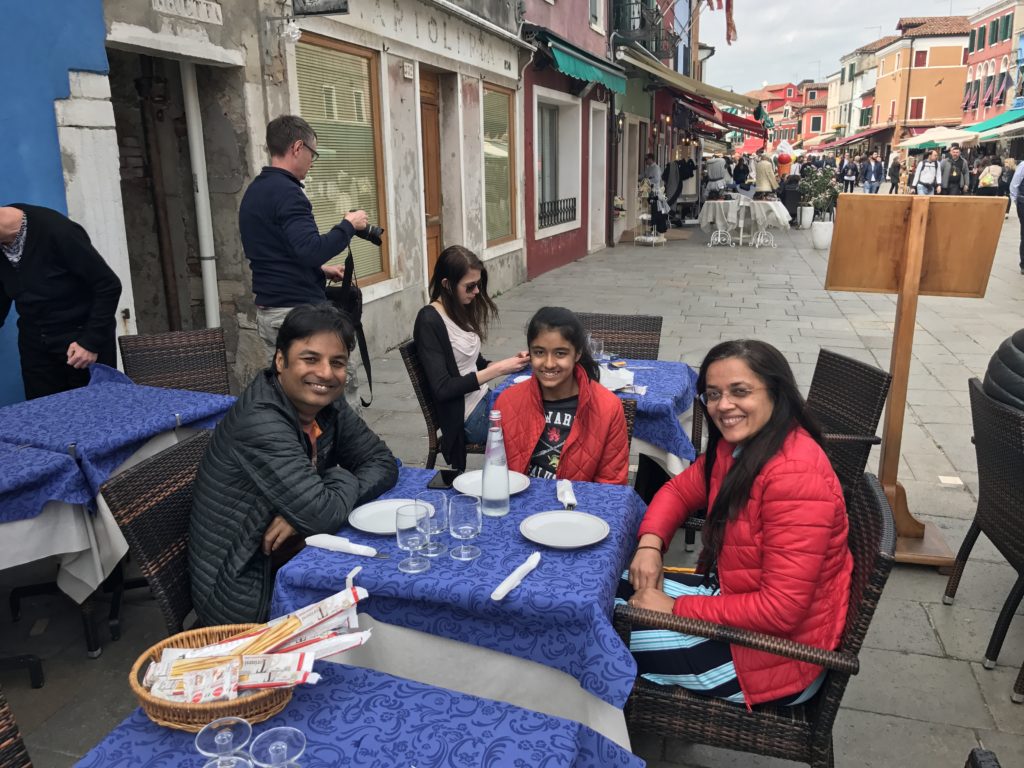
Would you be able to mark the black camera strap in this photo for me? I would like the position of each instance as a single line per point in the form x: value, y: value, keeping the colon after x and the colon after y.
x: 347, y: 283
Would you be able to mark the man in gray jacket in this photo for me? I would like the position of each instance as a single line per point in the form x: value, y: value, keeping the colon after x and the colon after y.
x: 954, y: 174
x: 289, y: 459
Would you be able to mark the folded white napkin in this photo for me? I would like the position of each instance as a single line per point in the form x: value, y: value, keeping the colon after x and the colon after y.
x: 339, y: 544
x: 615, y: 379
x: 513, y: 579
x: 564, y: 492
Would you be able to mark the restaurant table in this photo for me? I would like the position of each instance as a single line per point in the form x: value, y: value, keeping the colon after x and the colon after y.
x: 657, y: 431
x: 560, y: 615
x: 361, y: 717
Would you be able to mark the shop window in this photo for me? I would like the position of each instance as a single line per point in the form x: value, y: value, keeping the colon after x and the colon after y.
x: 916, y: 109
x: 348, y: 173
x: 499, y: 164
x: 558, y: 160
x: 920, y: 58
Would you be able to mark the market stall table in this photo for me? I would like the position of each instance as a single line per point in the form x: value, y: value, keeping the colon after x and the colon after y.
x: 560, y: 615
x: 363, y: 717
x: 720, y: 217
x: 657, y: 431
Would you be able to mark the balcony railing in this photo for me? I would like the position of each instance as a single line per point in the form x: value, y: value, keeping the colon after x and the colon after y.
x: 642, y: 22
x: 557, y: 212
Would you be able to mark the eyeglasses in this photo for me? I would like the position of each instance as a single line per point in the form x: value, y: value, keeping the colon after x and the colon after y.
x: 313, y: 152
x: 470, y: 287
x: 735, y: 394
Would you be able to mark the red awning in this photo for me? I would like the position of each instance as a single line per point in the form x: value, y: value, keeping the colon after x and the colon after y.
x: 744, y: 124
x: 707, y: 110
x: 708, y: 130
x: 858, y: 136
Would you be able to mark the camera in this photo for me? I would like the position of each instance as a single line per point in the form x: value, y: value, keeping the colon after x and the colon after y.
x: 371, y: 234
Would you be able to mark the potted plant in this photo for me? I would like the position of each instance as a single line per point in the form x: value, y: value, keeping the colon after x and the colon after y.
x: 821, y: 190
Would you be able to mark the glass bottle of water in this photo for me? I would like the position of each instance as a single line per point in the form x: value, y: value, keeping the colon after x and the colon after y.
x: 495, y: 475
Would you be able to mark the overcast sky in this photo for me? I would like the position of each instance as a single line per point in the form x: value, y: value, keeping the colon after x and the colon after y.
x: 789, y: 40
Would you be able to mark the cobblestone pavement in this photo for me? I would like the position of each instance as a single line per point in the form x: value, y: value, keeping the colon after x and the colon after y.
x: 922, y: 698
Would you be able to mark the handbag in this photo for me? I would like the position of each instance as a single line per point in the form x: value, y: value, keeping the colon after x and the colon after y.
x: 349, y: 299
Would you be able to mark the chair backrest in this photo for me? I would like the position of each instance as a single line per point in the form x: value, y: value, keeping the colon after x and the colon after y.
x: 637, y: 337
x: 872, y: 542
x: 419, y: 385
x: 12, y: 749
x: 629, y: 410
x: 847, y: 398
x: 999, y: 446
x: 152, y: 503
x: 193, y: 360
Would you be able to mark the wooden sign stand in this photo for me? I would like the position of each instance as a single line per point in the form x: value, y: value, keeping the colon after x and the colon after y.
x: 912, y: 246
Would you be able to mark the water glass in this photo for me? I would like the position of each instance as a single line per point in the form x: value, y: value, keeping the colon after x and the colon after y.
x: 278, y: 747
x: 411, y: 538
x: 596, y: 348
x: 224, y: 740
x: 464, y: 523
x: 435, y: 523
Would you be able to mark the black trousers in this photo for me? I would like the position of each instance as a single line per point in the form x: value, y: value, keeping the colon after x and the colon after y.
x: 44, y: 361
x: 1020, y: 217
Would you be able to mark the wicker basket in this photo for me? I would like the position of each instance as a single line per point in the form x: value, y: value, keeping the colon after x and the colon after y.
x: 255, y: 707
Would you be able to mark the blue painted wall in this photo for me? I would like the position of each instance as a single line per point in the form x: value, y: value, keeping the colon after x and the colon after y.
x: 41, y: 41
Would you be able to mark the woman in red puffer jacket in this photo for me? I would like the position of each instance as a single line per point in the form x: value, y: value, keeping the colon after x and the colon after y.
x: 561, y: 422
x: 775, y: 557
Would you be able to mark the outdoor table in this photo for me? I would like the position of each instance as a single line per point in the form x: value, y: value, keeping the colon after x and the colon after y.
x: 721, y: 216
x: 657, y: 431
x: 560, y: 615
x: 361, y: 717
x: 767, y: 215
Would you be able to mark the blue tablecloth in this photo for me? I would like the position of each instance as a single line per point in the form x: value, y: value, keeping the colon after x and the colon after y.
x: 670, y: 392
x: 360, y: 717
x: 31, y: 477
x: 108, y: 420
x: 559, y: 616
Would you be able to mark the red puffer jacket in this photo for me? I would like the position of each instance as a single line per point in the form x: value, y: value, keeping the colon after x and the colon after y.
x: 785, y: 566
x: 596, y: 449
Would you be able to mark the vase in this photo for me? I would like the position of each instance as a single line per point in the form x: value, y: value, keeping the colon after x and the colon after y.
x: 805, y: 215
x: 821, y: 235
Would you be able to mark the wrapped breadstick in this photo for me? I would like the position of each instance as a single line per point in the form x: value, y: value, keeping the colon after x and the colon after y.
x: 275, y: 670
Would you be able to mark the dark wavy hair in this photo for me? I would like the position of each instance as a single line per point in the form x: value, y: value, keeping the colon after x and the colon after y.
x: 569, y: 326
x: 788, y: 412
x: 452, y: 265
x: 310, y: 319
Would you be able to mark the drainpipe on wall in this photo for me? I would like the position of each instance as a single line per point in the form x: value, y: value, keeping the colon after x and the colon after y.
x: 204, y: 219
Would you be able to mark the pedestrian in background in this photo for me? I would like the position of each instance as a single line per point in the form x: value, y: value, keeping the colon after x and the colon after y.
x: 1018, y: 203
x: 954, y: 175
x: 872, y: 173
x: 850, y: 174
x: 926, y: 176
x: 988, y: 178
x: 895, y: 169
x: 1009, y: 168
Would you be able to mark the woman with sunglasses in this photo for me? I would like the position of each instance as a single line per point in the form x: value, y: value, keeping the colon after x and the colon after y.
x: 449, y: 333
x: 774, y: 558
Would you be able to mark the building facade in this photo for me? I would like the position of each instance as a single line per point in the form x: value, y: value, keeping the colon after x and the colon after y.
x: 992, y: 68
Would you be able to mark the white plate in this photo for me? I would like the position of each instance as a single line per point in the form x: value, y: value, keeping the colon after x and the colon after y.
x: 377, y: 516
x: 521, y: 378
x: 471, y: 482
x: 564, y: 530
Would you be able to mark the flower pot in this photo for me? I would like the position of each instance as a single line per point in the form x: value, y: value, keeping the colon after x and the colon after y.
x: 804, y: 216
x: 821, y: 235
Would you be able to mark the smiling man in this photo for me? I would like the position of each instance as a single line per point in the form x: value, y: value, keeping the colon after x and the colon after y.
x: 290, y: 459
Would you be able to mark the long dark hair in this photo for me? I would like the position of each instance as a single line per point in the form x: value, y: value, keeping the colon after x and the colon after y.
x: 452, y: 265
x: 569, y: 326
x: 788, y: 412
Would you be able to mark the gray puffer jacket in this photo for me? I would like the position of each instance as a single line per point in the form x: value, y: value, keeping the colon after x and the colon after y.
x: 257, y: 467
x: 1004, y: 379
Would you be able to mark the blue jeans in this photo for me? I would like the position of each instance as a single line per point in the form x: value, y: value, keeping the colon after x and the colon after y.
x: 926, y: 189
x: 871, y: 187
x: 477, y: 423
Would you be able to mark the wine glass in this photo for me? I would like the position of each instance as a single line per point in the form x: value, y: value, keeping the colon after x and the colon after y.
x: 224, y: 740
x: 435, y: 522
x: 278, y: 747
x: 411, y: 537
x: 464, y: 522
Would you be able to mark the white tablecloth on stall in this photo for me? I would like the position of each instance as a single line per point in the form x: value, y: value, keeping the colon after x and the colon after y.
x: 768, y: 214
x: 719, y: 214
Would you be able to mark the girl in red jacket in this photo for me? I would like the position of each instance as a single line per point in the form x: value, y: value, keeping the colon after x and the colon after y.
x: 561, y: 422
x: 775, y: 558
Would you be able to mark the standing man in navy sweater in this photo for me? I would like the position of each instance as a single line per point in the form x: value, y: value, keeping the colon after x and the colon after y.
x: 286, y: 251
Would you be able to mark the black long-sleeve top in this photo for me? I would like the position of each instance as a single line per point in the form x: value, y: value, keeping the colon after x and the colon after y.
x: 61, y: 286
x: 281, y: 240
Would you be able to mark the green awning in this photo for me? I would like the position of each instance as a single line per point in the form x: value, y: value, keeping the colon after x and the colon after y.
x: 580, y: 65
x: 1011, y: 116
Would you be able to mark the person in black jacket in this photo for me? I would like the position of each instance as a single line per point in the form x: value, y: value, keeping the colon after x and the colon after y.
x: 448, y: 334
x: 65, y: 295
x: 290, y: 459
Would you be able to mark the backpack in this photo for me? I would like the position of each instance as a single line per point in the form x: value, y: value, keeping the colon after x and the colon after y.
x: 929, y: 172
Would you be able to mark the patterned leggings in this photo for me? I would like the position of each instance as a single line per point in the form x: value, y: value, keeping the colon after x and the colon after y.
x: 695, y: 663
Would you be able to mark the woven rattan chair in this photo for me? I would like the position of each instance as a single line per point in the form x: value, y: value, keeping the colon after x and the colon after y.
x: 981, y: 758
x: 194, y: 360
x: 802, y: 733
x: 152, y: 503
x: 419, y: 386
x: 629, y: 410
x: 12, y: 749
x: 637, y: 337
x: 847, y: 398
x: 999, y: 445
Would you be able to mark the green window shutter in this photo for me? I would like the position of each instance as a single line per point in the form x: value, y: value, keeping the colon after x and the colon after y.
x: 853, y: 69
x: 337, y: 92
x: 1007, y: 26
x: 981, y: 38
x: 970, y: 43
x: 499, y: 203
x: 993, y: 32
